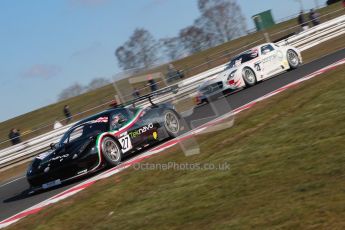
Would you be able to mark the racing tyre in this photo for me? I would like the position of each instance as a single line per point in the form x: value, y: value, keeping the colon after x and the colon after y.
x: 292, y: 58
x: 111, y: 151
x: 249, y: 77
x: 172, y: 123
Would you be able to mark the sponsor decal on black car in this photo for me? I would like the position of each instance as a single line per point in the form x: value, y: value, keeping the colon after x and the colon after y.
x: 143, y: 129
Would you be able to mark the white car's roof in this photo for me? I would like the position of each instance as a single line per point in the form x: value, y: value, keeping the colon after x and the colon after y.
x: 255, y: 47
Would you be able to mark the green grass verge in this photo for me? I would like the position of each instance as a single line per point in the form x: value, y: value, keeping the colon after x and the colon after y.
x: 40, y: 121
x: 286, y: 158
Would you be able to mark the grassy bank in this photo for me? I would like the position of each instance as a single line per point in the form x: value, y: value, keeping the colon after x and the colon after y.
x: 286, y: 158
x: 40, y: 121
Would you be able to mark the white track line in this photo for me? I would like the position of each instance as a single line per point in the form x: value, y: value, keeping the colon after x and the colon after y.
x: 14, y: 180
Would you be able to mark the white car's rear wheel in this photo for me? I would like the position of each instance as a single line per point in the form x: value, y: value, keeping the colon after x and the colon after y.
x: 249, y: 77
x: 292, y: 58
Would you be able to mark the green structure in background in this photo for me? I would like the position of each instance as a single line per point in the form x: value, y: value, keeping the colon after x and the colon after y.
x: 263, y: 20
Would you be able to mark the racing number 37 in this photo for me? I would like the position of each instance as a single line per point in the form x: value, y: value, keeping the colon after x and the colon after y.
x: 126, y: 143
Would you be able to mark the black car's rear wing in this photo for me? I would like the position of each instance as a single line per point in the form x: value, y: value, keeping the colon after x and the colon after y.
x: 170, y: 89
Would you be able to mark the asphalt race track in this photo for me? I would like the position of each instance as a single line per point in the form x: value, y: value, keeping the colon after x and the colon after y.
x: 12, y: 195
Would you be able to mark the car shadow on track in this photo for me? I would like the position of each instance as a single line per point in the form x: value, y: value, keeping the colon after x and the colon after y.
x: 23, y: 195
x: 29, y: 193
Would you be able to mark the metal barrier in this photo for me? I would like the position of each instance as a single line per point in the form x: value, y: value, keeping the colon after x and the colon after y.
x: 303, y: 41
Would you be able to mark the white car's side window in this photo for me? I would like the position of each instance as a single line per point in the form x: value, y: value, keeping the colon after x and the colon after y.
x: 266, y: 49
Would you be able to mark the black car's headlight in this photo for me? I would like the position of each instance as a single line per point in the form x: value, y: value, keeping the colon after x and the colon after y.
x: 30, y: 169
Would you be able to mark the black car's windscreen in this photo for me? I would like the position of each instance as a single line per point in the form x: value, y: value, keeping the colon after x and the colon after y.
x: 121, y: 117
x: 86, y: 130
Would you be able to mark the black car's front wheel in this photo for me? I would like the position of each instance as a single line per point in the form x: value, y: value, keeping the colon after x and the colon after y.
x: 172, y: 123
x: 111, y: 151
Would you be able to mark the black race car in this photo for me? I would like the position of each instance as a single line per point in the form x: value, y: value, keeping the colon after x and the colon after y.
x: 102, y: 140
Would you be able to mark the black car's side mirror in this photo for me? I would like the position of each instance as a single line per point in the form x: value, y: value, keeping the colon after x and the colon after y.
x: 52, y: 146
x: 121, y: 121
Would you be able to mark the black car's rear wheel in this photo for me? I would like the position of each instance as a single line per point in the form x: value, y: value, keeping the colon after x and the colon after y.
x: 111, y: 151
x: 172, y: 123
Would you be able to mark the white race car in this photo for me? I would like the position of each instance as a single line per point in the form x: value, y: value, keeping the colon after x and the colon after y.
x: 249, y: 67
